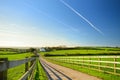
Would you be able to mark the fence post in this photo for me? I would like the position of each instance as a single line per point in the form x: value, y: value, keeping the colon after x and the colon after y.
x: 31, y: 63
x: 83, y: 62
x: 99, y: 59
x: 3, y: 74
x: 114, y: 65
x: 26, y: 67
x: 89, y: 62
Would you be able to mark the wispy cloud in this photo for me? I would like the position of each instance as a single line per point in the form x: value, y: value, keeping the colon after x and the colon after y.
x: 16, y: 28
x: 17, y: 35
x: 71, y: 8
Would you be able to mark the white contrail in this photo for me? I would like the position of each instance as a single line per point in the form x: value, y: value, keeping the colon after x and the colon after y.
x: 81, y: 17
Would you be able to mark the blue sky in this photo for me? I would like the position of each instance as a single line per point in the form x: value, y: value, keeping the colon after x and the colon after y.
x: 37, y: 23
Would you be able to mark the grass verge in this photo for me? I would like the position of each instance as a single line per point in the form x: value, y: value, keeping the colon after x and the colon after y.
x: 102, y: 75
x: 16, y: 72
x: 40, y: 73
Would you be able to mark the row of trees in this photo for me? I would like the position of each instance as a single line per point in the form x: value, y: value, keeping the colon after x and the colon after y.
x: 17, y: 50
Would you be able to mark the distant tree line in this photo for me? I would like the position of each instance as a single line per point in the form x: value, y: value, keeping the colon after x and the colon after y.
x: 15, y: 50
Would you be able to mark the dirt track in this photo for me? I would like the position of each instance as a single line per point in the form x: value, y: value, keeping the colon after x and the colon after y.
x: 72, y: 74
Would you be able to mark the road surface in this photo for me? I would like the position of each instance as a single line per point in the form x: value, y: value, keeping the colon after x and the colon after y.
x: 57, y: 72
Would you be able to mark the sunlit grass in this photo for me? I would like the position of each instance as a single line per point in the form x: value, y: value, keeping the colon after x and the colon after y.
x: 16, y: 72
x: 84, y: 51
x: 87, y: 68
x: 16, y: 56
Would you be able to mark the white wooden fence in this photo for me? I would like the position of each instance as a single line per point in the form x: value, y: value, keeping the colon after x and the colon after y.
x: 108, y: 64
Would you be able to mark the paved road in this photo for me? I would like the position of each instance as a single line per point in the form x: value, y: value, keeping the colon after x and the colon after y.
x: 57, y: 72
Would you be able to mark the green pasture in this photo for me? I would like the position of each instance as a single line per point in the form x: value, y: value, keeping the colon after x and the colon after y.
x: 6, y: 52
x: 76, y: 52
x: 39, y: 72
x: 76, y: 64
x: 71, y: 52
x: 16, y: 56
x: 42, y: 74
x: 16, y: 72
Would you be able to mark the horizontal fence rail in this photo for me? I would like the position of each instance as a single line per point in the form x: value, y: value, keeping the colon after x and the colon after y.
x: 5, y: 65
x: 24, y: 77
x: 9, y: 64
x: 108, y: 64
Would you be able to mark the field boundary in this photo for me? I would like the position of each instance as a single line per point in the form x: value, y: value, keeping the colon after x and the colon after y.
x: 5, y: 65
x: 88, y: 62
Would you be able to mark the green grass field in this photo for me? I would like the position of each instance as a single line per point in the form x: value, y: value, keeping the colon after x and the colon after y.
x: 39, y: 72
x: 75, y: 53
x: 16, y: 56
x: 16, y: 72
x: 72, y: 63
x: 6, y: 52
x: 98, y: 51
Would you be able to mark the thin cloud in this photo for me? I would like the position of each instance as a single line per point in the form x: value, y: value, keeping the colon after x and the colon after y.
x: 67, y: 5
